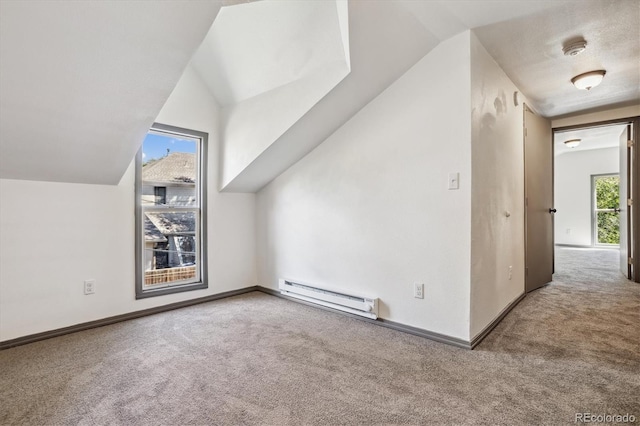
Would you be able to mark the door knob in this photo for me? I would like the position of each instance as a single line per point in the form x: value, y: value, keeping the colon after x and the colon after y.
x: 552, y: 210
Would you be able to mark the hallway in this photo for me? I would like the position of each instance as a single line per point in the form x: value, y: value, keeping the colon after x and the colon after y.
x: 588, y: 315
x: 588, y: 267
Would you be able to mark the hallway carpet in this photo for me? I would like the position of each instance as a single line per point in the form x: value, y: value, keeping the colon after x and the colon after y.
x: 571, y: 347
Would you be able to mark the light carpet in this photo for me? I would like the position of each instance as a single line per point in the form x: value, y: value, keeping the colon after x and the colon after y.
x: 568, y: 348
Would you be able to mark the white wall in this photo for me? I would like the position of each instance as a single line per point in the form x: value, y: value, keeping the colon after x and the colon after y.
x: 181, y: 195
x: 497, y: 241
x: 56, y: 235
x: 572, y: 182
x: 369, y: 211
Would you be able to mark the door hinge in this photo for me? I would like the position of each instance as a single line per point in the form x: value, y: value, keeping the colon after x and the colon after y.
x: 631, y: 261
x: 526, y: 202
x: 630, y: 144
x: 525, y: 131
x: 526, y: 272
x: 629, y: 202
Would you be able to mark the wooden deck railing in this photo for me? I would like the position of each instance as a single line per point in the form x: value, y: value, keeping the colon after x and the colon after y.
x: 162, y: 276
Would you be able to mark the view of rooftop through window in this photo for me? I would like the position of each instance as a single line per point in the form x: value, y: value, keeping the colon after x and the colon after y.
x: 169, y: 199
x: 157, y: 146
x: 168, y: 170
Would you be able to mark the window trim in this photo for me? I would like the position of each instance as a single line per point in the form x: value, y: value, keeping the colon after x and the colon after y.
x: 203, y: 283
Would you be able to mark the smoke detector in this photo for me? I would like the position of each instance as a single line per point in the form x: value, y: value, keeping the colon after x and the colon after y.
x: 574, y: 48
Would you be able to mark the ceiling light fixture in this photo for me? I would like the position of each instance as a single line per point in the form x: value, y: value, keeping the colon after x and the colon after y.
x: 572, y: 143
x: 588, y: 80
x: 574, y: 48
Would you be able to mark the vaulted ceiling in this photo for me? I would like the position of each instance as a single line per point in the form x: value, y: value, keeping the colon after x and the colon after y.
x: 267, y: 64
x: 257, y: 47
x: 81, y: 82
x: 384, y: 41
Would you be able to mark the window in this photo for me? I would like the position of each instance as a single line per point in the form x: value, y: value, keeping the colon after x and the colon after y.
x: 606, y: 209
x: 160, y: 192
x: 170, y: 212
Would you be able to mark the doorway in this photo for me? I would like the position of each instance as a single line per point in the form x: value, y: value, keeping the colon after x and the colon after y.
x: 594, y: 179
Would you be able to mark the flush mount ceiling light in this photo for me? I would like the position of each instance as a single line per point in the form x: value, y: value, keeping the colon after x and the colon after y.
x: 572, y: 143
x: 574, y: 48
x: 588, y: 80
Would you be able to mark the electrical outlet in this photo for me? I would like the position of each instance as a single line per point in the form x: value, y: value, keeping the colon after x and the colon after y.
x: 510, y: 272
x: 418, y: 290
x: 89, y: 286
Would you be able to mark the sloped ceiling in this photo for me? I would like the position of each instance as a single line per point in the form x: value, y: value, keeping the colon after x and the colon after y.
x: 446, y: 18
x: 257, y: 47
x: 81, y: 82
x: 267, y: 63
x: 386, y: 39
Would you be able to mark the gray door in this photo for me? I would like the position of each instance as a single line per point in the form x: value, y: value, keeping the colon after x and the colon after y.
x: 625, y: 194
x: 538, y: 160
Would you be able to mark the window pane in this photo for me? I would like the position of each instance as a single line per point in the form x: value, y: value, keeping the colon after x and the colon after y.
x: 169, y: 216
x: 169, y: 171
x: 171, y: 247
x: 608, y: 192
x: 608, y: 227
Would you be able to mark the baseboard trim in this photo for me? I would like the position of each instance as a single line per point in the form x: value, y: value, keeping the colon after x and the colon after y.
x: 119, y: 318
x: 421, y: 332
x: 485, y: 331
x: 441, y: 338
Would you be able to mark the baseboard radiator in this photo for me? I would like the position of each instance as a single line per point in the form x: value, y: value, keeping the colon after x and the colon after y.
x: 354, y: 304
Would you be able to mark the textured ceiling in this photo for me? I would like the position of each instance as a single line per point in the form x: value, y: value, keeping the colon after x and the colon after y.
x: 529, y: 50
x: 81, y: 82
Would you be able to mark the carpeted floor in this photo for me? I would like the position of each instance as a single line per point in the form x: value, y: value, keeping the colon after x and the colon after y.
x: 571, y: 347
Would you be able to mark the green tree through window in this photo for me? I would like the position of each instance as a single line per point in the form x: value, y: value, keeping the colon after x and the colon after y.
x: 607, y: 197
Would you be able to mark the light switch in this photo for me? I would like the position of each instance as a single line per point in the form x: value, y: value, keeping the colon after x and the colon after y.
x: 454, y: 180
